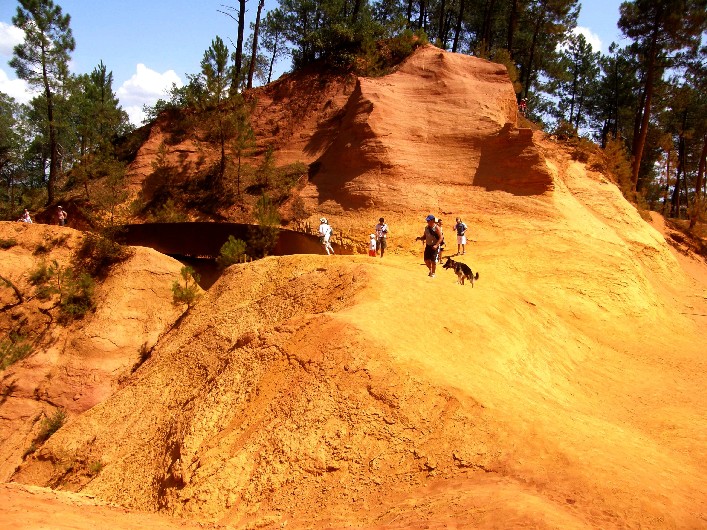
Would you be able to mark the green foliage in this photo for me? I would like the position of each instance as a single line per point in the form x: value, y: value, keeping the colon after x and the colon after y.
x: 7, y: 243
x: 12, y: 349
x: 266, y: 172
x: 263, y: 237
x: 378, y: 58
x: 189, y: 293
x: 232, y: 251
x: 76, y: 286
x: 42, y: 60
x: 97, y: 254
x: 168, y: 213
x: 618, y: 164
x: 574, y: 78
x: 565, y: 131
x: 49, y: 425
x: 95, y: 467
x: 78, y: 296
x: 242, y: 139
x: 41, y: 275
x: 102, y: 177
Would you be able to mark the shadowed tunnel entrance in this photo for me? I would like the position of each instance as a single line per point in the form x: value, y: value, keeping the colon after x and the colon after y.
x: 198, y: 244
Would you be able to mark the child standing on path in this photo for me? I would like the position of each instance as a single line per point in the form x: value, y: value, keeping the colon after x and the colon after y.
x: 372, y: 246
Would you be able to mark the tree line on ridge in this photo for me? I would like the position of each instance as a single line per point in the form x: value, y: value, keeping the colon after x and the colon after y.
x: 644, y: 103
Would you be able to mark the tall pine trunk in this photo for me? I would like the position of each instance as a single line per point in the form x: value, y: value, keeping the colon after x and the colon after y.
x: 53, y: 142
x: 458, y: 28
x: 697, y: 205
x: 512, y: 25
x: 254, y: 54
x: 239, y: 49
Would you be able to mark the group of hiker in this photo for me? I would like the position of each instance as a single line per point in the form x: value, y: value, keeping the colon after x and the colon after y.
x: 60, y: 216
x: 377, y: 244
x: 433, y: 237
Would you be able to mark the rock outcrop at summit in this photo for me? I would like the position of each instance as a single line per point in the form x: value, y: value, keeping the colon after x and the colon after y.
x: 441, y: 120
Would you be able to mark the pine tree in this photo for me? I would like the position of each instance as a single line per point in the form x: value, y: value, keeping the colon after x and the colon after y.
x: 662, y: 31
x: 580, y: 68
x: 254, y: 46
x: 42, y: 60
x: 273, y: 38
x: 215, y: 72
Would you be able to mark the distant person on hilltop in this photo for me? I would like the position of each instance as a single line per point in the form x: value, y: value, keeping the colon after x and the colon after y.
x: 372, y: 246
x: 61, y: 215
x: 523, y: 106
x: 325, y: 235
x: 382, y: 235
x: 461, y: 228
x: 25, y: 217
x: 432, y: 238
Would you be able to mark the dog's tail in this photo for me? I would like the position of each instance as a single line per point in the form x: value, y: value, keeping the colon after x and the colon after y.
x: 477, y: 276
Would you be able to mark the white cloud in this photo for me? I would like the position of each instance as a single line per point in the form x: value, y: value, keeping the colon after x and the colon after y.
x: 10, y: 36
x: 17, y: 88
x: 145, y: 87
x: 591, y: 37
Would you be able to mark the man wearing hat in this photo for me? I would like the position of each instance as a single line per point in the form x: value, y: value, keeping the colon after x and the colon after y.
x: 432, y: 238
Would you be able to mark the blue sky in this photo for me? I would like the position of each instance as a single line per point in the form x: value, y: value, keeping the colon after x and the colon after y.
x: 150, y: 44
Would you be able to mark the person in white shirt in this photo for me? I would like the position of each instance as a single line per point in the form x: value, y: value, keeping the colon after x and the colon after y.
x: 461, y: 228
x: 325, y: 235
x: 372, y: 246
x: 382, y: 235
x: 25, y: 217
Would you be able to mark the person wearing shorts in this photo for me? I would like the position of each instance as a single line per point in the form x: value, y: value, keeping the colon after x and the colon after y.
x: 432, y: 238
x: 382, y: 235
x: 325, y: 236
x: 461, y: 228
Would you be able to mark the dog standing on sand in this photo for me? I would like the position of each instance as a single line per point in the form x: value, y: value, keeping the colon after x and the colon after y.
x: 462, y: 270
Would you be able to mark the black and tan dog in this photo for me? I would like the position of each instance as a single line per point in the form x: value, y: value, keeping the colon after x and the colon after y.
x: 462, y: 270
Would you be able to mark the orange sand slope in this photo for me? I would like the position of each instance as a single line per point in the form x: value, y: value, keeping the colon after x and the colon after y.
x: 565, y: 390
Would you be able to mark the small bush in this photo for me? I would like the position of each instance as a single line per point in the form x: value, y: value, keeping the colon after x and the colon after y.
x: 565, y: 131
x: 231, y: 252
x: 299, y: 211
x: 168, y: 213
x: 41, y: 275
x: 95, y: 467
x: 98, y: 254
x: 42, y: 248
x: 263, y: 237
x: 45, y: 292
x: 618, y: 163
x: 189, y: 293
x: 50, y: 425
x: 7, y: 243
x: 79, y: 296
x: 13, y: 349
